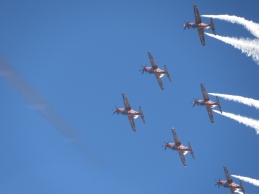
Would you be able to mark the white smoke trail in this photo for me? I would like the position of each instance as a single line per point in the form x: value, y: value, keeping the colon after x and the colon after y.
x: 240, y: 99
x: 249, y: 25
x: 247, y: 46
x: 247, y: 179
x: 241, y: 119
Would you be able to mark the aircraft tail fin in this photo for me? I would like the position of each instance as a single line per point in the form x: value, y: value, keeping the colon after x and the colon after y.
x: 212, y: 26
x: 141, y: 114
x: 242, y: 188
x: 167, y: 73
x: 219, y: 105
x: 191, y: 150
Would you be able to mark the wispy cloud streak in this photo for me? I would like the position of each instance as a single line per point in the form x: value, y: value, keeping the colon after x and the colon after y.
x: 241, y: 119
x: 249, y: 25
x: 247, y: 179
x: 240, y: 99
x: 36, y: 100
x: 247, y: 46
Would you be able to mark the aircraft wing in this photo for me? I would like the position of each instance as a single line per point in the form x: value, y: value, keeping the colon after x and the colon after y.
x: 209, y: 110
x: 228, y: 177
x: 132, y: 122
x: 159, y: 80
x: 201, y: 35
x: 182, y: 157
x: 152, y: 61
x: 204, y: 93
x: 126, y: 102
x: 197, y: 15
x: 176, y: 138
x: 232, y: 191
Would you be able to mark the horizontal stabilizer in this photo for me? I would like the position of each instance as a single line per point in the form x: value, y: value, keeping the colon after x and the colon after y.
x: 141, y: 114
x: 167, y: 74
x: 242, y: 188
x: 212, y: 26
x: 219, y: 105
x: 191, y: 150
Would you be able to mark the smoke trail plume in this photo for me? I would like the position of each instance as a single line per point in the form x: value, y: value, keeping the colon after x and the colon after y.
x: 249, y: 25
x: 240, y: 99
x: 247, y: 179
x: 247, y: 46
x: 241, y: 119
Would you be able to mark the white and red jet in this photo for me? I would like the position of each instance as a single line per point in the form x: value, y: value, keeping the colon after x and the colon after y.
x: 199, y: 25
x: 229, y: 183
x: 159, y: 73
x: 208, y: 103
x: 177, y: 146
x: 132, y: 114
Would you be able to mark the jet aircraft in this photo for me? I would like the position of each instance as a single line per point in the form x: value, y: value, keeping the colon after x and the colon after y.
x: 229, y: 183
x: 132, y: 114
x: 199, y: 25
x: 182, y: 150
x: 159, y: 73
x: 208, y: 103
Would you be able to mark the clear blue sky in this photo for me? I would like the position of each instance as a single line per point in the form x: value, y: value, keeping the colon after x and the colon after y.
x: 81, y: 55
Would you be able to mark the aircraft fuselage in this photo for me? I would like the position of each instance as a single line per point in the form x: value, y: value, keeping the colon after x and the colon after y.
x: 176, y: 147
x: 197, y: 26
x: 156, y: 71
x: 123, y: 111
x: 227, y: 185
x: 206, y: 103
